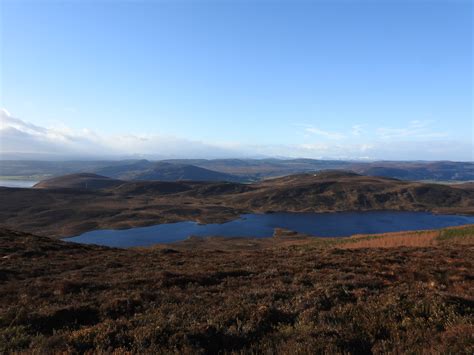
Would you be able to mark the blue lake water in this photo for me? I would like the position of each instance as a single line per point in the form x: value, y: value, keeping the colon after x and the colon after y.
x: 262, y: 225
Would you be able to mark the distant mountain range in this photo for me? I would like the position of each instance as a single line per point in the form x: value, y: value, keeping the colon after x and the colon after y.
x: 238, y: 170
x: 436, y: 171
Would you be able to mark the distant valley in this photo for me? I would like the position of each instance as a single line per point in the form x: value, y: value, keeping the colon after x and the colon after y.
x: 73, y: 204
x: 236, y: 170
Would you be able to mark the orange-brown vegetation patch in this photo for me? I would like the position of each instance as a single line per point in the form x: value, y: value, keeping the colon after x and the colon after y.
x: 463, y: 235
x: 395, y: 240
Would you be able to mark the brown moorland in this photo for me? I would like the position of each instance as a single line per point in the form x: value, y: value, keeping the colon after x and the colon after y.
x: 85, y: 181
x: 60, y: 209
x: 287, y: 294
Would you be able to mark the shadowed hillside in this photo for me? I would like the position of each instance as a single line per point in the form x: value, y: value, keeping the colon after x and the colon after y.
x: 82, y: 181
x: 438, y: 171
x: 264, y: 168
x: 146, y: 170
x: 343, y: 191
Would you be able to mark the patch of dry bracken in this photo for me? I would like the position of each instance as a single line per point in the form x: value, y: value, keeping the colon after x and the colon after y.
x: 395, y: 240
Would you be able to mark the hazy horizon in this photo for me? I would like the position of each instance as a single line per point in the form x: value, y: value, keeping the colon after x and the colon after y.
x: 389, y: 80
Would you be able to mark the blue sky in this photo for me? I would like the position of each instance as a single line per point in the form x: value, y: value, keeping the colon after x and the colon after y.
x: 321, y: 79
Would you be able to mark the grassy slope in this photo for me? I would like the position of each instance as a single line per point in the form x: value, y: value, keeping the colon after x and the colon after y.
x: 291, y: 294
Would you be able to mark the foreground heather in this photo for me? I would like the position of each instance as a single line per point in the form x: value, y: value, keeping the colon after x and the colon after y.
x: 284, y: 295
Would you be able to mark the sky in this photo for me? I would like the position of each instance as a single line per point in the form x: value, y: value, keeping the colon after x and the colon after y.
x: 341, y: 79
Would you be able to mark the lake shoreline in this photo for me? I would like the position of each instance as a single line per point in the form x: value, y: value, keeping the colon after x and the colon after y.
x: 208, y: 220
x: 256, y: 226
x: 61, y: 212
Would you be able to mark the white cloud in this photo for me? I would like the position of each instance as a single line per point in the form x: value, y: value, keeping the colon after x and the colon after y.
x: 18, y: 136
x: 326, y: 134
x: 4, y: 111
x: 357, y: 130
x: 416, y: 129
x: 336, y: 151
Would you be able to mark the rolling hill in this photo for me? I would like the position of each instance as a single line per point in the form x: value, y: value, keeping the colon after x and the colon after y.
x: 163, y: 171
x: 435, y: 171
x: 81, y: 181
x: 343, y: 191
x: 62, y: 211
x: 239, y: 170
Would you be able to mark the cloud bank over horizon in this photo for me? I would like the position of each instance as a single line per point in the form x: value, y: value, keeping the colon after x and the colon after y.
x: 20, y: 138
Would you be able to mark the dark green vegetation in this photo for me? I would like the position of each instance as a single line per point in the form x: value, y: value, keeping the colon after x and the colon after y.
x: 57, y: 211
x: 287, y: 294
x: 237, y: 169
x: 460, y: 234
